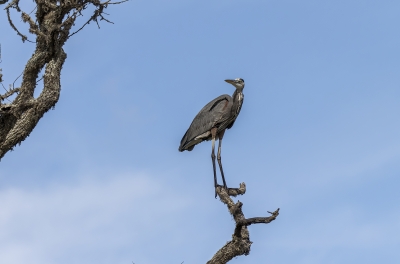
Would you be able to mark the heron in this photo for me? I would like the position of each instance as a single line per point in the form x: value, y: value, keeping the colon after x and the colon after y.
x: 212, y: 121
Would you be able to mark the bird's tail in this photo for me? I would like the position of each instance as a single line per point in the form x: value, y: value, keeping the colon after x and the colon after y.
x: 185, y: 144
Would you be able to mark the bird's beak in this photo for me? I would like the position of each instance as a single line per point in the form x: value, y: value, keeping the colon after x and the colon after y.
x: 230, y: 81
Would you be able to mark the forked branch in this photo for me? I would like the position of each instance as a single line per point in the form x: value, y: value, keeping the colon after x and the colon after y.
x: 240, y: 243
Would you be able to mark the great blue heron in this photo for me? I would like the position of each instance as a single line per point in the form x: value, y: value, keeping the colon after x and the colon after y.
x: 210, y: 123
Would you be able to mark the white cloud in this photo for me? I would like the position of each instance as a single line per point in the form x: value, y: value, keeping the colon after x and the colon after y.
x: 85, y: 222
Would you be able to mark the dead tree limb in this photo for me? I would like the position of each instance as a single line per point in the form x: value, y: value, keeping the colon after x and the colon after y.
x: 51, y: 28
x: 240, y: 243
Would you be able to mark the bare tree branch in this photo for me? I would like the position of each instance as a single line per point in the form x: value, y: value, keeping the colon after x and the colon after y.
x: 51, y: 26
x: 8, y: 94
x: 255, y: 220
x: 240, y: 243
x: 12, y: 24
x: 97, y: 13
x: 34, y: 28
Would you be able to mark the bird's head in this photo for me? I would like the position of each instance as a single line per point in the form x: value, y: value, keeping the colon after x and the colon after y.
x: 238, y: 83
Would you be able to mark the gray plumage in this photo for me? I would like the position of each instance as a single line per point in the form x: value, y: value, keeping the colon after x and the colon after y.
x: 220, y: 113
x: 212, y: 121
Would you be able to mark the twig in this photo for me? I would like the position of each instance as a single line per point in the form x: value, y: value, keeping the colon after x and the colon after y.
x: 97, y: 13
x: 8, y: 93
x: 4, y: 88
x: 39, y: 79
x: 117, y: 3
x: 31, y: 12
x: 17, y: 79
x: 33, y: 27
x: 15, y: 5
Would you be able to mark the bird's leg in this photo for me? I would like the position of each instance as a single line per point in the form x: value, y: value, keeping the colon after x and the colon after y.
x: 213, y: 134
x: 221, y: 134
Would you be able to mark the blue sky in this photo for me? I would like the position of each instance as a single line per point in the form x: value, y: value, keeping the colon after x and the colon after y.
x: 100, y: 179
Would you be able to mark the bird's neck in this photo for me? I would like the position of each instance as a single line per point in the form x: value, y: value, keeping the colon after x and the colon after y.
x: 237, y: 95
x: 237, y: 101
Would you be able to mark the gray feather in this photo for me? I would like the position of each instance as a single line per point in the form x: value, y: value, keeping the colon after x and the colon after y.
x: 212, y: 115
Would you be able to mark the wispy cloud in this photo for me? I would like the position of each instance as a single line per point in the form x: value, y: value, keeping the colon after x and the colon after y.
x: 86, y: 222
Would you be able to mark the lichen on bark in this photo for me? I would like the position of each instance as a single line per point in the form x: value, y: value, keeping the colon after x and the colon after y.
x: 51, y: 28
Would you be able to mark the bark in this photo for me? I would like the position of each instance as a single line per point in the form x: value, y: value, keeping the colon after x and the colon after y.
x: 50, y: 29
x: 240, y: 243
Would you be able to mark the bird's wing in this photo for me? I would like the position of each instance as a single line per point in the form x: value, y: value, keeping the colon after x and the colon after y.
x: 209, y: 116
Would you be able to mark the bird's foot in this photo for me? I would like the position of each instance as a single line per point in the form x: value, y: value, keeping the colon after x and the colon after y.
x: 216, y: 193
x: 222, y: 186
